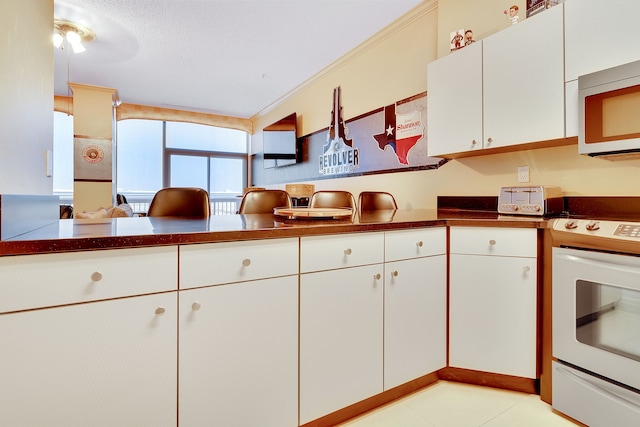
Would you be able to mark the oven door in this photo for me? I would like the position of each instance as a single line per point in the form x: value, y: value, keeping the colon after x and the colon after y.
x: 596, y: 313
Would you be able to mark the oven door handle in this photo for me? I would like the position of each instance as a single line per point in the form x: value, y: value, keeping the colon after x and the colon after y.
x: 597, y: 389
x: 601, y: 264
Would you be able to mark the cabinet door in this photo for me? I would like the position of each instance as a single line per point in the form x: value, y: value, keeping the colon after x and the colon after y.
x: 110, y: 363
x: 492, y: 314
x: 524, y: 81
x: 239, y: 354
x: 454, y: 102
x: 415, y: 319
x: 340, y: 339
x: 600, y: 35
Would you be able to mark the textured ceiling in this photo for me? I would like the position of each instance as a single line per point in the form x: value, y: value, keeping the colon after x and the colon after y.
x: 228, y: 57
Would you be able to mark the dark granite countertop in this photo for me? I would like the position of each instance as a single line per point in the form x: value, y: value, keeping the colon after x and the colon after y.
x: 69, y: 235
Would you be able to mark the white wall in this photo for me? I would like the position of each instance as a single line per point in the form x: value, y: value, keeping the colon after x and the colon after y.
x: 26, y: 95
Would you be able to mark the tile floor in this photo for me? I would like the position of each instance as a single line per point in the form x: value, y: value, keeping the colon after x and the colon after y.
x: 450, y: 404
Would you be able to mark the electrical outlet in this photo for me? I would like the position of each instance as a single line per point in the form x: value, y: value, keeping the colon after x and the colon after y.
x: 523, y: 173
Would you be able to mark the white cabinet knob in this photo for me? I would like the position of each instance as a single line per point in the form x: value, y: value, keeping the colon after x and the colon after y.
x: 489, y: 140
x: 419, y: 244
x: 96, y: 276
x: 246, y: 262
x: 376, y: 276
x: 492, y: 242
x: 196, y: 306
x: 474, y: 142
x: 526, y: 269
x: 394, y: 273
x: 347, y: 251
x: 160, y: 311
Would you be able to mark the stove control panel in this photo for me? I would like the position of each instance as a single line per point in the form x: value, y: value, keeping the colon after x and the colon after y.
x: 604, y: 229
x: 628, y: 230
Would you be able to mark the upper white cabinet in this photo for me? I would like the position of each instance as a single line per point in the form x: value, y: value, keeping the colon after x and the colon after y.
x: 600, y: 34
x: 454, y: 102
x: 507, y: 89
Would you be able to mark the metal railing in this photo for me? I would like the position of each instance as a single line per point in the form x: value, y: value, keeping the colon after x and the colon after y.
x: 226, y: 205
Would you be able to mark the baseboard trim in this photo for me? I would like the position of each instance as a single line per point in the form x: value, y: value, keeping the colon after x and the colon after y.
x: 373, y: 402
x: 507, y: 382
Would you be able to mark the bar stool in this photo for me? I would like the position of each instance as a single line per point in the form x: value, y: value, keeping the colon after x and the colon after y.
x: 263, y: 201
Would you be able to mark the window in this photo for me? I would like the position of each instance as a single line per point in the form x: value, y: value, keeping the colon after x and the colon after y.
x: 152, y: 154
x: 63, y: 155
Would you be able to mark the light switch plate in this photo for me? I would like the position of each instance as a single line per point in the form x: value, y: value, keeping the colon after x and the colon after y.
x: 49, y: 165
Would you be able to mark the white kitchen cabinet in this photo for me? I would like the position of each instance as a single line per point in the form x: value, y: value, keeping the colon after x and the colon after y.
x: 454, y: 102
x: 107, y: 363
x: 493, y: 300
x: 341, y: 343
x: 319, y: 253
x: 507, y: 89
x: 600, y: 35
x: 239, y: 354
x: 227, y: 262
x: 33, y: 281
x: 415, y: 305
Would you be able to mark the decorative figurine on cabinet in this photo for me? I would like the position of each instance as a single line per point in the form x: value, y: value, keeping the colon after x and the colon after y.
x: 468, y: 37
x: 456, y: 39
x: 512, y: 15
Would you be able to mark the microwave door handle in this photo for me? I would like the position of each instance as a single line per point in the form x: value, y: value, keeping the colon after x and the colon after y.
x: 600, y: 390
x: 600, y: 264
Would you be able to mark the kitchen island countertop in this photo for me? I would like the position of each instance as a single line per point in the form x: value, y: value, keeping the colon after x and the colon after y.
x: 69, y: 235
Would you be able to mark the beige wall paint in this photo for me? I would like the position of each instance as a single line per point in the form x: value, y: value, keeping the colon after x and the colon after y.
x: 483, y: 17
x: 93, y: 119
x: 366, y: 85
x: 26, y: 96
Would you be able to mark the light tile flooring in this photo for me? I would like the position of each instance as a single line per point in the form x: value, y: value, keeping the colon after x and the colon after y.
x: 450, y: 404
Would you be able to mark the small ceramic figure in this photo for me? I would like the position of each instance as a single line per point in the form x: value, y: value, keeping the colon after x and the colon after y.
x: 513, y: 14
x: 456, y: 41
x: 468, y: 38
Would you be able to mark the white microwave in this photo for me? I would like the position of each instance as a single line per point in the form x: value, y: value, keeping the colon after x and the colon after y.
x: 610, y: 112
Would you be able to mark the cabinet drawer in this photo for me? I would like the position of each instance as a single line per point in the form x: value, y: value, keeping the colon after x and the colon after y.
x: 228, y: 262
x: 32, y: 281
x: 520, y: 242
x: 330, y: 252
x: 415, y: 243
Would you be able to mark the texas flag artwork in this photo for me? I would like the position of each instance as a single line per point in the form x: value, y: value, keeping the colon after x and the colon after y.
x: 402, y: 132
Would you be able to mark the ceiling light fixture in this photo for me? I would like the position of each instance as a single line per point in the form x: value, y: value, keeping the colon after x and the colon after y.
x: 74, y: 33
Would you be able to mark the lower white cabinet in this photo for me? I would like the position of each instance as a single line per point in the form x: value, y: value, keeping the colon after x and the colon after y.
x: 415, y: 318
x: 493, y: 300
x: 238, y: 358
x: 341, y: 326
x: 108, y: 363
